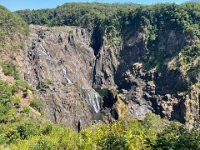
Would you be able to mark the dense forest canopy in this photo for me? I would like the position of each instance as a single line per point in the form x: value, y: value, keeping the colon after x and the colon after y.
x: 115, y: 15
x: 116, y: 19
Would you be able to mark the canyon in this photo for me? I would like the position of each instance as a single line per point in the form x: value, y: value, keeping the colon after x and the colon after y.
x: 79, y: 83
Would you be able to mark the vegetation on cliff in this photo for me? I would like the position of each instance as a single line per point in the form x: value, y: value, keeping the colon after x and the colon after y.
x: 163, y: 38
x: 20, y: 129
x: 117, y: 16
x: 12, y: 30
x: 118, y: 21
x: 154, y: 133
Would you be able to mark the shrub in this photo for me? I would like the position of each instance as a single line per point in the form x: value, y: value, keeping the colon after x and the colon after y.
x: 47, y: 130
x: 49, y: 82
x: 102, y: 92
x: 44, y: 143
x: 3, y: 139
x: 24, y: 86
x: 5, y: 101
x: 10, y: 69
x: 27, y: 130
x: 12, y: 135
x: 11, y: 27
x: 37, y: 103
x: 42, y: 114
x: 26, y: 110
x: 25, y: 93
x: 17, y: 102
x: 176, y: 136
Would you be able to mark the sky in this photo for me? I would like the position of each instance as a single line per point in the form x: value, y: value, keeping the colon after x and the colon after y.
x: 14, y: 5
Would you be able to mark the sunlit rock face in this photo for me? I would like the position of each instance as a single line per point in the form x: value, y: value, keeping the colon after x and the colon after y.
x: 65, y: 68
x: 59, y: 64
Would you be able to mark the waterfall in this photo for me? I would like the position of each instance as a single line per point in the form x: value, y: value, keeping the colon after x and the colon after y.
x: 44, y: 51
x: 65, y: 75
x: 94, y: 100
x: 64, y: 72
x: 69, y: 81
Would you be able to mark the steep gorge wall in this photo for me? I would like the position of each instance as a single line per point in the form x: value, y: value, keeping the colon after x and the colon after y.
x: 62, y: 64
x: 154, y: 80
x: 59, y: 64
x: 141, y: 58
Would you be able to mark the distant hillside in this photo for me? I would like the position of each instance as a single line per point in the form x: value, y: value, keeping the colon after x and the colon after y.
x: 113, y: 15
x: 12, y: 30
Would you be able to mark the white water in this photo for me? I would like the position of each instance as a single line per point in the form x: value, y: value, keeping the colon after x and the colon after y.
x: 44, y: 51
x: 94, y: 100
x: 65, y: 75
x: 69, y: 81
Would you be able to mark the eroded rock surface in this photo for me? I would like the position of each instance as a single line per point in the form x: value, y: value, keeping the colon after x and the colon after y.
x: 60, y: 65
x: 66, y: 68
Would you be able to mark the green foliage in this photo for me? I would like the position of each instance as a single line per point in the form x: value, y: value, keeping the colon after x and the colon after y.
x: 25, y: 93
x: 10, y: 69
x: 57, y: 138
x: 11, y: 135
x: 23, y: 85
x: 49, y: 82
x: 46, y: 83
x: 15, y: 126
x: 10, y: 26
x: 115, y: 21
x: 72, y: 14
x: 26, y: 110
x: 16, y: 102
x: 44, y: 143
x: 102, y: 92
x: 153, y: 133
x: 42, y: 114
x: 48, y: 129
x: 177, y: 137
x: 37, y: 103
x: 27, y: 130
x: 115, y: 17
x: 119, y: 22
x: 5, y: 102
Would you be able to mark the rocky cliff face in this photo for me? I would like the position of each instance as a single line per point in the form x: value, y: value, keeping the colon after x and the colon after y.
x: 64, y: 66
x: 148, y: 80
x: 59, y: 64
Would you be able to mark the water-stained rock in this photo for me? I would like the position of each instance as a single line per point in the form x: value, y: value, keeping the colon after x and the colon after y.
x: 66, y: 64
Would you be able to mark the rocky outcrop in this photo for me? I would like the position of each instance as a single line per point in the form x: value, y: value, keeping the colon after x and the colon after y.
x: 66, y: 64
x: 106, y: 65
x: 151, y: 84
x: 59, y: 64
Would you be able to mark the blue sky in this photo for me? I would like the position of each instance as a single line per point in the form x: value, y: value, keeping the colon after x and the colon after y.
x: 37, y: 4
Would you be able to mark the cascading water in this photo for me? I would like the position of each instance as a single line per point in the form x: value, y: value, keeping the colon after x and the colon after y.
x: 65, y: 75
x: 94, y: 100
